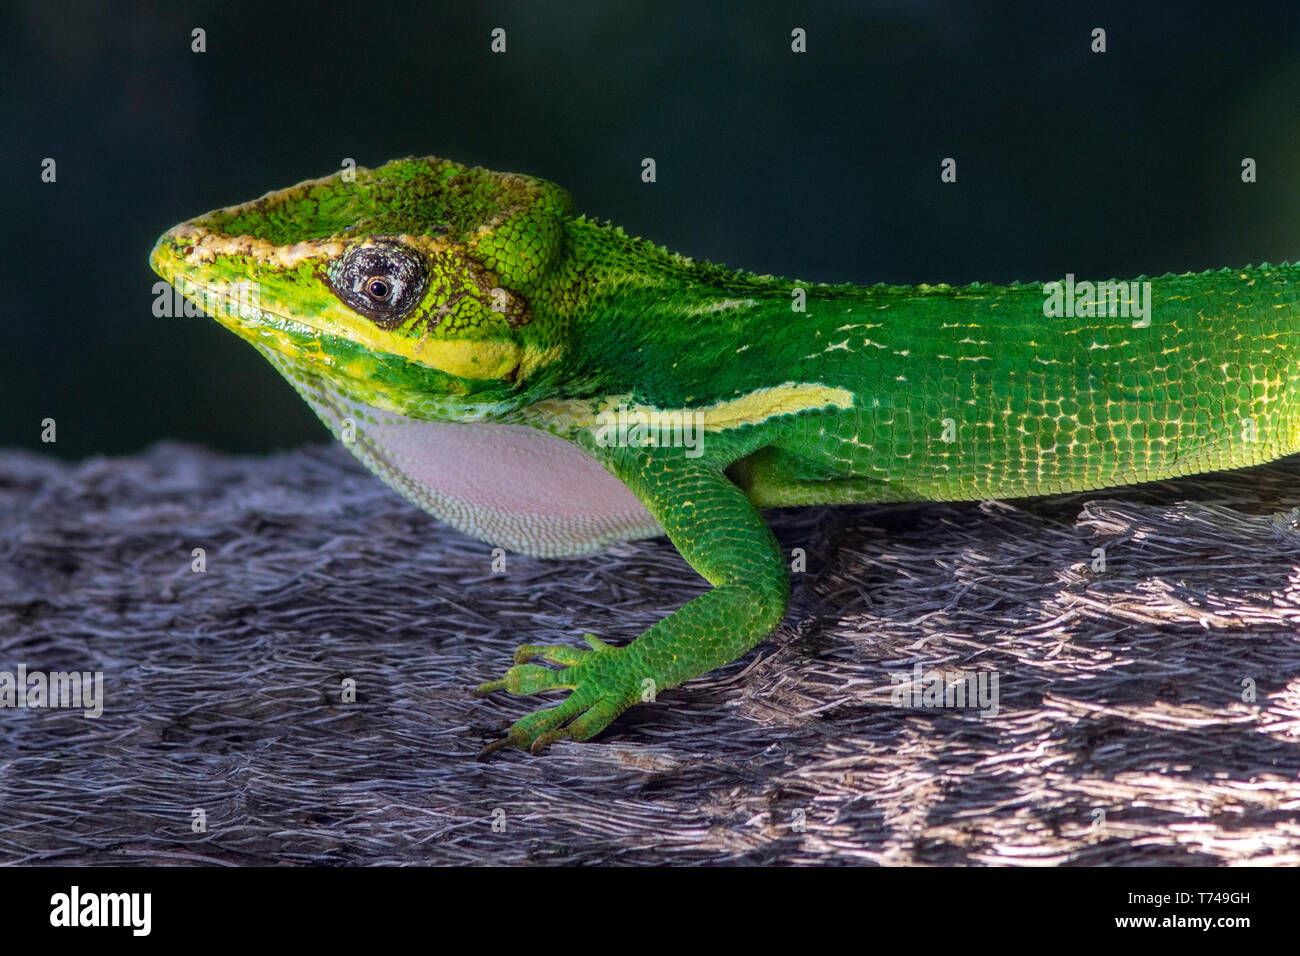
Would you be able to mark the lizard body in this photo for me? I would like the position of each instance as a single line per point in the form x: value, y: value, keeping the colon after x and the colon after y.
x: 491, y: 355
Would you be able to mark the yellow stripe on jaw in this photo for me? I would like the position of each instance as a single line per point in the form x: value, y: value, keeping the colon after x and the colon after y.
x: 752, y: 408
x: 463, y: 358
x: 460, y: 357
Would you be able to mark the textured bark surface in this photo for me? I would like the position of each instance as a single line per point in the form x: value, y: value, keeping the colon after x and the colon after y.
x: 1121, y: 734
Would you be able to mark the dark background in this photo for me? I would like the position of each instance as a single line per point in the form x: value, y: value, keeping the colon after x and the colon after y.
x: 823, y: 166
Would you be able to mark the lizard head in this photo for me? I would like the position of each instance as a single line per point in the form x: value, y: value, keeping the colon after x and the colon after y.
x: 408, y: 288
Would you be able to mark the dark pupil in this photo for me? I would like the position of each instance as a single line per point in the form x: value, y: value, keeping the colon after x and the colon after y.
x: 378, y: 288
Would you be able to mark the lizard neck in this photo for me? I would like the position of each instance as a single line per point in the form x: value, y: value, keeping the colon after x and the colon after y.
x: 680, y: 332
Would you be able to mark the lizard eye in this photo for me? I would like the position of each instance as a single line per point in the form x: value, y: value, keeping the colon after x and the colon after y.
x: 381, y: 280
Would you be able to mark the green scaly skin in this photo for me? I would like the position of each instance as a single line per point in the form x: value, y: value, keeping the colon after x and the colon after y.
x: 534, y: 317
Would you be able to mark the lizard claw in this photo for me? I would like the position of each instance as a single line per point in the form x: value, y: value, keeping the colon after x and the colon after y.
x: 601, y: 684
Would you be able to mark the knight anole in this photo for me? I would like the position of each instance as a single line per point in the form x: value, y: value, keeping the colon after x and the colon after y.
x: 549, y: 384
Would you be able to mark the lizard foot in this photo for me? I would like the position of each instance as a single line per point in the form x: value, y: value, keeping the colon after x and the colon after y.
x: 600, y: 680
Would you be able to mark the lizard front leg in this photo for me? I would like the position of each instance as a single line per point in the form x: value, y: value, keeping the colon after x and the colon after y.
x: 723, y: 537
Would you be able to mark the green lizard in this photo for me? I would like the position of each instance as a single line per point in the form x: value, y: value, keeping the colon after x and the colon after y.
x: 549, y: 384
